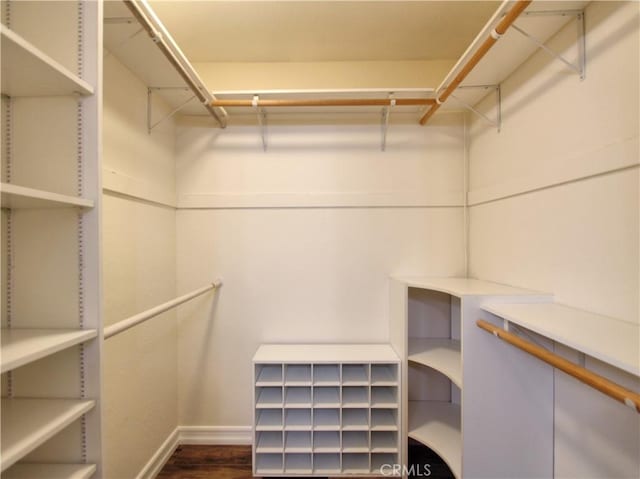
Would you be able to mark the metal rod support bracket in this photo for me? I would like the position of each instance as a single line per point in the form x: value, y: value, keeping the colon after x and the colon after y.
x: 497, y: 122
x: 386, y: 113
x: 579, y: 66
x: 262, y: 120
x: 150, y: 90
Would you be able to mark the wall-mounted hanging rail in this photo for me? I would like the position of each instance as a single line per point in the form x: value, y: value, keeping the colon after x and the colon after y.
x: 469, y: 64
x: 136, y: 319
x: 323, y: 102
x: 161, y: 37
x: 602, y: 384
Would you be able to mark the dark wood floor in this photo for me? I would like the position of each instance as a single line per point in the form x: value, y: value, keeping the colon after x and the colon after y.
x: 209, y: 462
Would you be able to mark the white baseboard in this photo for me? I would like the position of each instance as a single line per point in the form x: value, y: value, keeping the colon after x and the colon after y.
x: 161, y: 456
x: 215, y: 435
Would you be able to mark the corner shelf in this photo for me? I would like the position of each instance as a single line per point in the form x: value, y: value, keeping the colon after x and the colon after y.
x: 21, y: 197
x: 22, y: 346
x: 443, y: 355
x: 437, y: 425
x: 27, y: 423
x: 50, y: 471
x: 33, y: 73
x: 609, y: 340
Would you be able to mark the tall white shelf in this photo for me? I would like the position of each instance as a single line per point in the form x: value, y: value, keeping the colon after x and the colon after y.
x: 445, y: 397
x: 326, y: 409
x: 51, y: 319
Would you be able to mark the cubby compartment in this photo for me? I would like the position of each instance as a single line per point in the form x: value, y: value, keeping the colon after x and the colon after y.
x: 355, y: 463
x: 355, y: 374
x: 384, y: 397
x: 297, y: 419
x: 269, y: 375
x: 269, y: 420
x: 383, y: 464
x: 297, y: 397
x: 297, y: 375
x: 326, y: 419
x: 326, y: 463
x: 326, y: 375
x: 355, y: 441
x: 355, y: 420
x: 297, y: 441
x: 384, y: 419
x: 384, y: 374
x: 326, y: 441
x: 269, y: 442
x: 326, y: 397
x: 268, y: 463
x: 355, y: 396
x: 268, y: 397
x: 384, y: 441
x: 297, y: 464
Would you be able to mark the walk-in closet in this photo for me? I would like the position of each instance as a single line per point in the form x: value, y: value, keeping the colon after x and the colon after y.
x: 324, y: 239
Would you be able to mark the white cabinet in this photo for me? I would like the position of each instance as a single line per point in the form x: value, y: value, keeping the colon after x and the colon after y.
x: 326, y: 409
x: 449, y: 398
x: 50, y: 185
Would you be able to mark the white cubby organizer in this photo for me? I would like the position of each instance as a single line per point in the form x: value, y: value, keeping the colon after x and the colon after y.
x: 452, y: 391
x: 50, y: 185
x: 326, y: 409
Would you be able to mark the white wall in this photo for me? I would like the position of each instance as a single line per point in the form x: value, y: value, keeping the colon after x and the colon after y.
x: 555, y: 208
x: 303, y: 254
x: 140, y: 365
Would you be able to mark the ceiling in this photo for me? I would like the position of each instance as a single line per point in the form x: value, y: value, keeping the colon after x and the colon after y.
x: 311, y: 31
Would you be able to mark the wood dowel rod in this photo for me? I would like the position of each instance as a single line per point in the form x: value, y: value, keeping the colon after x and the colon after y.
x: 500, y: 29
x: 324, y: 102
x: 602, y: 384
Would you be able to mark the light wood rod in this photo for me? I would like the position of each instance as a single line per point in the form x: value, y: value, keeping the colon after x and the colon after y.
x: 602, y: 384
x: 502, y: 27
x: 324, y: 102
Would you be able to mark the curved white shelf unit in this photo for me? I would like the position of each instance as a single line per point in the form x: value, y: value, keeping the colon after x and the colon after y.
x: 21, y: 197
x: 610, y: 340
x: 22, y: 346
x: 443, y: 355
x: 50, y: 471
x: 33, y: 73
x: 460, y: 287
x: 437, y: 426
x: 27, y: 423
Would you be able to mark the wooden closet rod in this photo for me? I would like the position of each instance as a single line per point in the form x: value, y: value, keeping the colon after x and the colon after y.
x: 325, y: 102
x: 497, y: 32
x: 602, y: 384
x: 171, y: 57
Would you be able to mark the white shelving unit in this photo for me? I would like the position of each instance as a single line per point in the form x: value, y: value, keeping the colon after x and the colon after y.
x: 446, y: 398
x: 609, y: 340
x: 325, y: 409
x: 50, y: 188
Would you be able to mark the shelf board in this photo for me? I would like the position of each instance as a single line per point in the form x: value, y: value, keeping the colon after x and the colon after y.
x: 23, y: 346
x: 325, y: 353
x: 443, y: 355
x: 27, y: 71
x: 437, y: 425
x: 461, y: 287
x: 610, y: 340
x: 27, y: 423
x: 50, y: 471
x: 21, y: 197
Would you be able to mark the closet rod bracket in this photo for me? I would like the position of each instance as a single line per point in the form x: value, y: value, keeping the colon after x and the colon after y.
x: 262, y: 120
x: 579, y: 66
x: 497, y: 122
x: 150, y: 90
x: 386, y: 113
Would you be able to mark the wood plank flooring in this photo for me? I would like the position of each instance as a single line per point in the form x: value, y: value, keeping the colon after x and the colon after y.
x: 209, y: 462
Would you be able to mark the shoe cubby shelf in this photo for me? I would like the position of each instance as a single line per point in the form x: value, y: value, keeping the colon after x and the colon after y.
x: 326, y: 409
